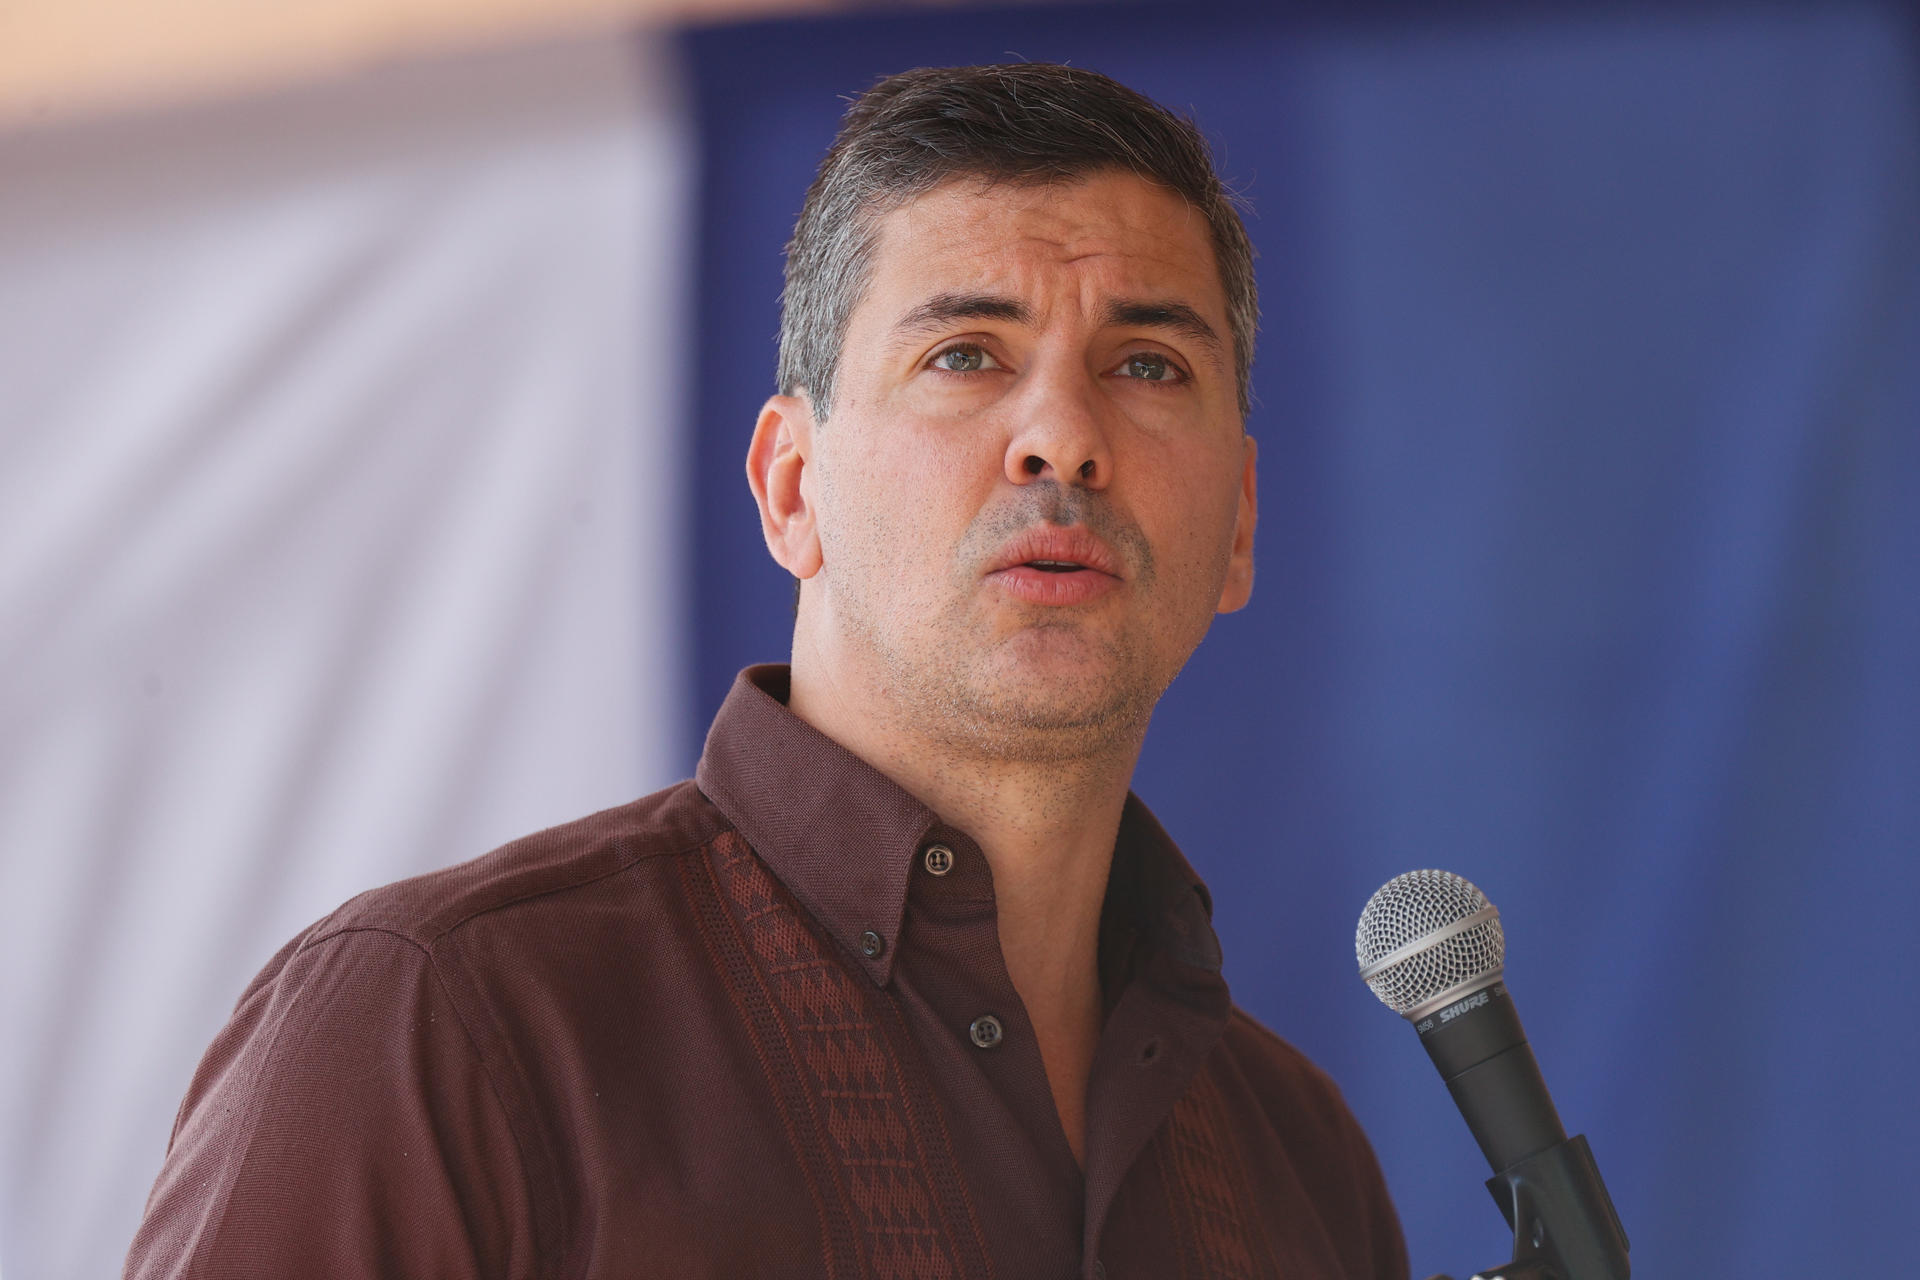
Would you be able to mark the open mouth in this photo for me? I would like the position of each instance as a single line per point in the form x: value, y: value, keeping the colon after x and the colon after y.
x: 1050, y: 565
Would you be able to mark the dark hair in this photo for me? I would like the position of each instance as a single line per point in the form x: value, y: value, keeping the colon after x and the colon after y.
x: 1025, y: 122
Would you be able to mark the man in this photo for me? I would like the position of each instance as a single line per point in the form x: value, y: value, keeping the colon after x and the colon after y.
x: 905, y: 982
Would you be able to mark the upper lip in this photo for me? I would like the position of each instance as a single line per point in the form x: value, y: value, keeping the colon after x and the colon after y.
x: 1073, y: 544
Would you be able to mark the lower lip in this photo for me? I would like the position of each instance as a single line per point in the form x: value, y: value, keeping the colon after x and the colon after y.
x: 1037, y: 586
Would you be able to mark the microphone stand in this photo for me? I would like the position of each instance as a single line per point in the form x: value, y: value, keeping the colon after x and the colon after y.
x: 1563, y: 1220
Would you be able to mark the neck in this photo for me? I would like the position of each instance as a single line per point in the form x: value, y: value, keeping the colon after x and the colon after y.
x: 1044, y: 819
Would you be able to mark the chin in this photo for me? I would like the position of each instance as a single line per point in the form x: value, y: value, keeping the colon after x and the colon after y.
x: 1041, y: 693
x: 1064, y: 694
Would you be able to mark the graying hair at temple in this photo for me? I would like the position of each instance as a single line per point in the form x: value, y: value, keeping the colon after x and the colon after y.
x: 1025, y: 123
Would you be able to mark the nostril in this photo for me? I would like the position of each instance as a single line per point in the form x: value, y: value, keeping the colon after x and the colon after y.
x: 1035, y: 464
x: 1086, y: 469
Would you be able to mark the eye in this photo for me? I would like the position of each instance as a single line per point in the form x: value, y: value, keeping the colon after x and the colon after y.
x: 964, y: 357
x: 1150, y: 366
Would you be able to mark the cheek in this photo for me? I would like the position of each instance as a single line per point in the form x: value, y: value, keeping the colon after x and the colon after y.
x: 929, y: 471
x: 1198, y: 525
x: 888, y: 503
x: 1199, y: 504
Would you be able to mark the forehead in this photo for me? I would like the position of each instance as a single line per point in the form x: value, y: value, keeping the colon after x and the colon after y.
x: 1109, y: 234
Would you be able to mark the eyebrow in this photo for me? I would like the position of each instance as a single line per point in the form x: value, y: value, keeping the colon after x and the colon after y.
x: 943, y: 309
x: 1175, y: 317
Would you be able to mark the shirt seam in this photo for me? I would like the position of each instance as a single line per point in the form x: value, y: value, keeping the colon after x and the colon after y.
x: 205, y: 1238
x: 432, y: 961
x: 428, y: 940
x: 506, y: 1113
x: 209, y: 1234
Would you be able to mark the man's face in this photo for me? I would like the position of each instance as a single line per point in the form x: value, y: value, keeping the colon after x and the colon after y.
x: 1034, y: 490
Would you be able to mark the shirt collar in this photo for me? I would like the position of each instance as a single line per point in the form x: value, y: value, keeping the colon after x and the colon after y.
x: 844, y: 838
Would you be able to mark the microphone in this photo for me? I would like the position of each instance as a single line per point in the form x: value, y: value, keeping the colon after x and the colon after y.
x: 1431, y: 947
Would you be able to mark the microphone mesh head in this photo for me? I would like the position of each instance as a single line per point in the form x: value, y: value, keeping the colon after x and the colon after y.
x: 1416, y: 905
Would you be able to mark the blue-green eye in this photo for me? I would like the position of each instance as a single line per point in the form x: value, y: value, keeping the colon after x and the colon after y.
x: 1149, y: 367
x: 965, y: 359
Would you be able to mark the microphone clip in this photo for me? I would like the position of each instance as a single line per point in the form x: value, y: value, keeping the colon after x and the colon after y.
x: 1563, y: 1220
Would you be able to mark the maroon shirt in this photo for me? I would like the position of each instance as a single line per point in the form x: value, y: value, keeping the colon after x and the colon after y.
x: 741, y: 1027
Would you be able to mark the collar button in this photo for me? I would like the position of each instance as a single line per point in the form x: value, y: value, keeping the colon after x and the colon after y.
x: 986, y: 1031
x: 939, y: 859
x: 872, y: 944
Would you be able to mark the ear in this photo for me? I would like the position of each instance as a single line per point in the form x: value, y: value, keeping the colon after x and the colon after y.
x: 1239, y: 585
x: 777, y: 473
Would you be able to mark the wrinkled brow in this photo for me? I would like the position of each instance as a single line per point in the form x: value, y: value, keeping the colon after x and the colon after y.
x: 1173, y: 317
x: 943, y: 309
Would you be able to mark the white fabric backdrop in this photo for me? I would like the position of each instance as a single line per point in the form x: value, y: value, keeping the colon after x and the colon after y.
x: 339, y: 477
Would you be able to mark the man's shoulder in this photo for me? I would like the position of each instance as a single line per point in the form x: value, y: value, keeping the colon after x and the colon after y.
x: 1257, y: 1044
x: 548, y: 870
x: 1291, y: 1088
x: 1315, y: 1132
x: 381, y: 1067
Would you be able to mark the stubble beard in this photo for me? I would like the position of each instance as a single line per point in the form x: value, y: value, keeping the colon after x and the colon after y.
x: 1052, y: 691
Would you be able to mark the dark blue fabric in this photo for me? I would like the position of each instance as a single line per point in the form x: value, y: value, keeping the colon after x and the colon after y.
x: 1589, y: 403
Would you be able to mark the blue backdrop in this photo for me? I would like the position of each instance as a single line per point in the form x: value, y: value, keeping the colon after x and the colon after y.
x: 1589, y: 404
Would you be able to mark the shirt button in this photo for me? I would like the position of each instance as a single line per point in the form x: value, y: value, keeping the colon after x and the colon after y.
x: 1099, y: 1270
x: 872, y: 944
x: 986, y: 1031
x: 939, y: 859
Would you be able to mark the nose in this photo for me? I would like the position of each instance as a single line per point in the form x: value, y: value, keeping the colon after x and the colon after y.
x: 1059, y: 434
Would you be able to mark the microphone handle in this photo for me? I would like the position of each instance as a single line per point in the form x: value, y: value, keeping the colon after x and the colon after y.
x: 1477, y: 1043
x: 1506, y: 1104
x: 1546, y: 1184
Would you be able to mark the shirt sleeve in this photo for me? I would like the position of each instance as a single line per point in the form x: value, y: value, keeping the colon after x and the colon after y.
x: 342, y: 1124
x: 1385, y: 1253
x: 1336, y: 1164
